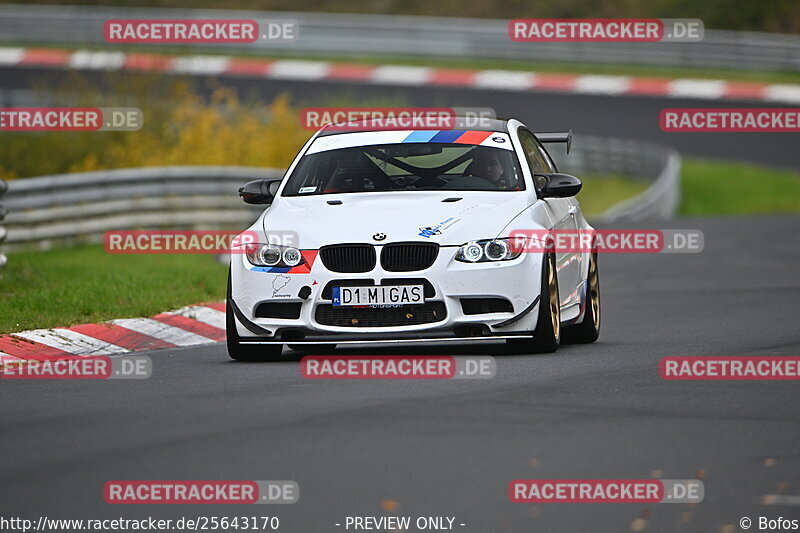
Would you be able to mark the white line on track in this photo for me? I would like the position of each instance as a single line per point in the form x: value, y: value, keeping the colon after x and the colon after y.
x: 299, y: 70
x: 11, y: 56
x: 782, y: 93
x: 402, y: 75
x: 71, y: 342
x: 602, y: 84
x: 97, y: 60
x: 210, y: 65
x: 687, y: 88
x: 165, y: 332
x: 203, y: 314
x: 504, y: 79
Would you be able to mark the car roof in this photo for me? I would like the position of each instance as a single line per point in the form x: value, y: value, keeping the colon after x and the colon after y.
x: 461, y: 123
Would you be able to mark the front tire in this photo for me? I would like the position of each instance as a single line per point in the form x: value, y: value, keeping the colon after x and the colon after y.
x: 589, y: 329
x: 245, y: 352
x: 547, y: 335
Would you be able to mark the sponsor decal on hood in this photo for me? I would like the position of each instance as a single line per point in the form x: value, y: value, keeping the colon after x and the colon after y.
x: 437, y: 229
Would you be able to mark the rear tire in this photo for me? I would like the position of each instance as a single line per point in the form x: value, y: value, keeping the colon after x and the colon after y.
x: 589, y: 329
x: 547, y: 335
x: 246, y: 352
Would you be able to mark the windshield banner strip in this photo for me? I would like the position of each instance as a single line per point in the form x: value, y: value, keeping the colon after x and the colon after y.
x: 372, y: 138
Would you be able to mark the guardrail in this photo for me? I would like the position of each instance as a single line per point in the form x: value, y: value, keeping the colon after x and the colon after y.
x: 656, y: 163
x: 352, y: 34
x: 79, y: 208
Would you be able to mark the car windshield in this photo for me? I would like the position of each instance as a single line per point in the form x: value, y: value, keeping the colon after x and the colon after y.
x: 406, y: 167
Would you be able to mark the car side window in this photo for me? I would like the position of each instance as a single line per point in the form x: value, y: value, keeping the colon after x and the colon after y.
x: 538, y: 161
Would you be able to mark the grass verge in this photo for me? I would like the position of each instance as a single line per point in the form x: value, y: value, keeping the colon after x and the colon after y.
x: 723, y: 188
x: 86, y: 284
x: 601, y: 192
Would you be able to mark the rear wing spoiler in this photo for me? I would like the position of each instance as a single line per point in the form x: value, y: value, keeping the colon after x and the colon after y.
x: 556, y: 137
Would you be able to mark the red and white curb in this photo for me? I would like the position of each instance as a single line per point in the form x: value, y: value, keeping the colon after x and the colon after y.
x: 188, y: 326
x: 303, y: 70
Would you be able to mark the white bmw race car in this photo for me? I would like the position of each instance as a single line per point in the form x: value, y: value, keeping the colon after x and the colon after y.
x: 404, y: 236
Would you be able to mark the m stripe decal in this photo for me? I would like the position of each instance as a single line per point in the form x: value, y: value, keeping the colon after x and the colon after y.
x: 447, y: 136
x: 473, y: 137
x: 420, y: 136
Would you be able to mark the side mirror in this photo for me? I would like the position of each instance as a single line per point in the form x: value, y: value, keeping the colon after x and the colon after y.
x: 259, y: 191
x: 560, y: 185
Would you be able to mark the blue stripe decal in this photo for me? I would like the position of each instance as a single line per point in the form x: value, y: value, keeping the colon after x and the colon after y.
x: 275, y: 270
x: 446, y: 136
x: 420, y: 136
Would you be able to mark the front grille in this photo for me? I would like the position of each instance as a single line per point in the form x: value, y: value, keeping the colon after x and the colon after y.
x: 408, y: 256
x: 348, y: 257
x: 361, y: 317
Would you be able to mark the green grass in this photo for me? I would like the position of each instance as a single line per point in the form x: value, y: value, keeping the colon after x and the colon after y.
x: 721, y: 188
x: 654, y: 71
x: 601, y: 192
x: 86, y: 284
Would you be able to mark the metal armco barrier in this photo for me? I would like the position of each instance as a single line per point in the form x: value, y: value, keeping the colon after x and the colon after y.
x: 353, y: 34
x: 79, y: 208
x: 658, y: 164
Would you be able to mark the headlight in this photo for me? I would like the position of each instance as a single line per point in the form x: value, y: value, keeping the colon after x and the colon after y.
x: 496, y: 250
x: 292, y: 257
x: 273, y: 255
x: 488, y: 251
x: 471, y: 252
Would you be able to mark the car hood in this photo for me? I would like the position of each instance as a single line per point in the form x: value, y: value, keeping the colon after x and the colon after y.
x: 391, y: 217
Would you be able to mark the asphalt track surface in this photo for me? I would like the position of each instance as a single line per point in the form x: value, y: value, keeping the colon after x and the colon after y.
x: 450, y: 448
x: 630, y: 117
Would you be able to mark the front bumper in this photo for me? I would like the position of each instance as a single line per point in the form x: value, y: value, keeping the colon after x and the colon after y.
x: 447, y: 281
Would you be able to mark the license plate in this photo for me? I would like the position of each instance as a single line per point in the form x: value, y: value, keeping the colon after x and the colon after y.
x: 393, y: 295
